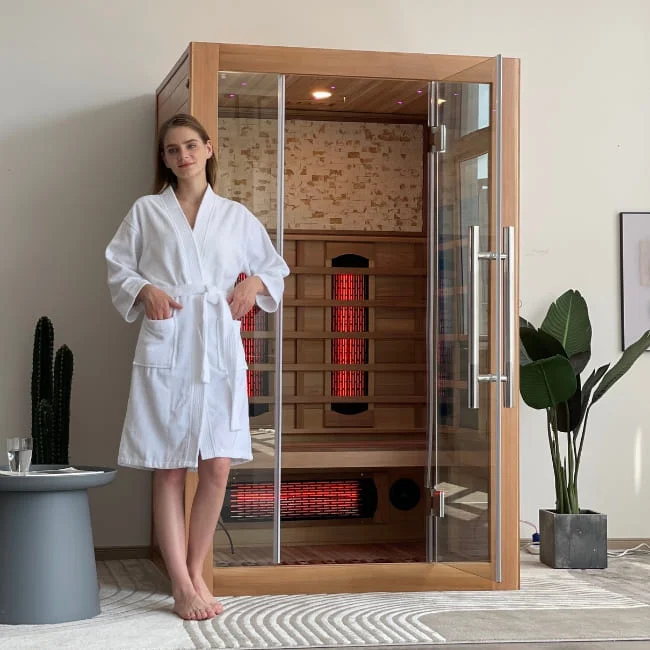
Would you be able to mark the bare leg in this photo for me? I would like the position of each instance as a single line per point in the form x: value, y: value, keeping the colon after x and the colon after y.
x: 206, y: 508
x: 169, y: 521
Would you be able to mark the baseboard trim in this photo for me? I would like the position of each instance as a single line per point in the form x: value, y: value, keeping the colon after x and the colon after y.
x: 613, y: 543
x: 123, y: 553
x: 621, y: 543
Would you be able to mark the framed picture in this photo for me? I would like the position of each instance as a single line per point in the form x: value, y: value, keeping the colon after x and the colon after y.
x: 635, y: 275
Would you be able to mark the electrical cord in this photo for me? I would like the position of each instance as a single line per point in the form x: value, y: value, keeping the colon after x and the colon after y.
x: 531, y: 547
x: 225, y: 530
x: 530, y: 523
x: 636, y: 549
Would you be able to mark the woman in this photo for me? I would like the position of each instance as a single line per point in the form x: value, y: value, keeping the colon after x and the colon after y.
x: 176, y: 257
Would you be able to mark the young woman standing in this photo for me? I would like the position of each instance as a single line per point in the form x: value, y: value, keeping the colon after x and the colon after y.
x: 176, y: 258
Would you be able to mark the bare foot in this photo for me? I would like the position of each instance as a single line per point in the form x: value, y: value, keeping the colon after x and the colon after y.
x: 191, y: 607
x: 203, y: 591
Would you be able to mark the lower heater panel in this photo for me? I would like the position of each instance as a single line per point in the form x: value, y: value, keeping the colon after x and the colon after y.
x: 342, y: 516
x: 301, y: 500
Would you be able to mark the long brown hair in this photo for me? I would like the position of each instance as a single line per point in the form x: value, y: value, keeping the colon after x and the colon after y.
x: 164, y: 175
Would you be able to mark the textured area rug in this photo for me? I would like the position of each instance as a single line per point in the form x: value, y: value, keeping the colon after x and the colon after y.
x: 552, y: 605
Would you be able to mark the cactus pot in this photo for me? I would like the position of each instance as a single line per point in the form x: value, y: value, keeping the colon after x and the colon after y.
x: 573, y: 541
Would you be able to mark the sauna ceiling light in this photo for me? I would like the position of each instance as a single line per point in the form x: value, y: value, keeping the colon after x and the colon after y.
x: 441, y: 100
x: 321, y: 94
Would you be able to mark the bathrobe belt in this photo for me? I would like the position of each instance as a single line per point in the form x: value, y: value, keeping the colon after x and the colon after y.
x: 228, y: 341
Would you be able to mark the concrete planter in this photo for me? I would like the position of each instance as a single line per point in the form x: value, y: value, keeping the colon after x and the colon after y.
x: 573, y: 541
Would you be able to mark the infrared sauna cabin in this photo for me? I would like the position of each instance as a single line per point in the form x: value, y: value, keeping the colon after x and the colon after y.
x: 383, y: 394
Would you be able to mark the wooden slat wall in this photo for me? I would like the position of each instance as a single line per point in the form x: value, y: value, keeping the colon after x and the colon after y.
x: 204, y: 87
x: 174, y: 95
x: 396, y: 305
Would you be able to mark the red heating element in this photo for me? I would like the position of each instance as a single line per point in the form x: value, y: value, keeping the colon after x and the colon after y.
x: 327, y: 499
x: 254, y: 349
x: 349, y: 383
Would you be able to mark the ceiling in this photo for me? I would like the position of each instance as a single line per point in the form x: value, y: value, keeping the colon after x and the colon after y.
x: 246, y: 92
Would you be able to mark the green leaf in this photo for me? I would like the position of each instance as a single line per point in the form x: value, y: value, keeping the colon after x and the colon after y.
x: 580, y: 360
x: 526, y: 323
x: 524, y: 359
x: 547, y: 382
x: 567, y: 320
x: 592, y: 380
x: 575, y: 410
x: 629, y: 356
x: 539, y: 344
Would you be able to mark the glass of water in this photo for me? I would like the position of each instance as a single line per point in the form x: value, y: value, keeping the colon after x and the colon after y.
x: 19, y: 453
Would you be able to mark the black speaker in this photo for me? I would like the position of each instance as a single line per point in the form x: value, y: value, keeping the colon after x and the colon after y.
x: 404, y: 494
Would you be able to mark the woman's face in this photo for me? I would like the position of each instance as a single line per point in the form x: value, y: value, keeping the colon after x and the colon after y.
x: 185, y: 153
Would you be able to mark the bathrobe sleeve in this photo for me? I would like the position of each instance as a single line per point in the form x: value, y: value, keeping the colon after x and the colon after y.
x: 124, y: 281
x: 263, y: 261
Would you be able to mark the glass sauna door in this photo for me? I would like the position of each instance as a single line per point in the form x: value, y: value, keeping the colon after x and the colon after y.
x: 469, y: 263
x: 250, y: 152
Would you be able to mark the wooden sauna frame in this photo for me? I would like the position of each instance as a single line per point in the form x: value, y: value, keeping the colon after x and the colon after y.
x: 192, y: 87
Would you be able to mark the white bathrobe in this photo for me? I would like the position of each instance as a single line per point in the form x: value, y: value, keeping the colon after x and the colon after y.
x: 188, y: 386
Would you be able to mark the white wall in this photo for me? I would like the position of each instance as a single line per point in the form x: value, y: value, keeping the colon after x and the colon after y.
x: 76, y: 133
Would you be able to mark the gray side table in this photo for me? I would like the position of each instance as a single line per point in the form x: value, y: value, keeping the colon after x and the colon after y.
x: 47, y: 558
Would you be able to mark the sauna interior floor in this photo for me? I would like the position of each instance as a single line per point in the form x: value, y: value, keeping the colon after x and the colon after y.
x: 323, y: 554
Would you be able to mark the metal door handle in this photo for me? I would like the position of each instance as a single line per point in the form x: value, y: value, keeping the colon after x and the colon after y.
x: 473, y: 319
x: 474, y: 377
x: 509, y: 315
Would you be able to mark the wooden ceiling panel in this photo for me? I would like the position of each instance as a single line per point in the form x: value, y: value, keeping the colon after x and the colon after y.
x: 350, y: 95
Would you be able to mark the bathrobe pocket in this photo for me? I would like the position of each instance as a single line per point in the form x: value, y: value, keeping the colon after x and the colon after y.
x: 156, y: 343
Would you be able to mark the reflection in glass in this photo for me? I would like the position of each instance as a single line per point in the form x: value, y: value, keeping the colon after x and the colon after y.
x: 474, y: 107
x: 247, y: 146
x: 464, y: 451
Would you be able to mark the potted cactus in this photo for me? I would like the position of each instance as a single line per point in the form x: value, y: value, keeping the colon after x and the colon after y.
x: 51, y: 388
x: 552, y: 360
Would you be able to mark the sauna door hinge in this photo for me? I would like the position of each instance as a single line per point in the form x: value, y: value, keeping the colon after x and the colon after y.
x: 436, y: 502
x: 438, y: 139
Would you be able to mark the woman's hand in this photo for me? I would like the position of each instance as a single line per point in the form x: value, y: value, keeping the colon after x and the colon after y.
x: 242, y: 298
x: 157, y: 304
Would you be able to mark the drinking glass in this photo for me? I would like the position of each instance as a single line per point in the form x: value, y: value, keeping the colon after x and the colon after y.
x: 19, y: 453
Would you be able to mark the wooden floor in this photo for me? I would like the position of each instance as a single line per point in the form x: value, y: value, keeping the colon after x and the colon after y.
x: 322, y: 554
